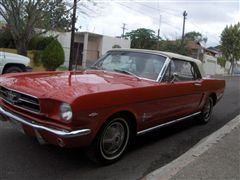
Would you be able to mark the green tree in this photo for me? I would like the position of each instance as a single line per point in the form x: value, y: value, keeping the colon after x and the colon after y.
x: 221, y: 61
x: 142, y: 38
x: 56, y: 16
x: 28, y: 18
x: 230, y: 44
x: 174, y: 47
x: 53, y: 55
x: 195, y: 36
x: 6, y: 40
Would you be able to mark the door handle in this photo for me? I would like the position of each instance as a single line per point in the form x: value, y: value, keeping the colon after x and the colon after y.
x: 197, y: 84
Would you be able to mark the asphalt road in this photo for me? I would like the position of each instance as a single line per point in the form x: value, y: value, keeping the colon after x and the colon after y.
x: 21, y: 157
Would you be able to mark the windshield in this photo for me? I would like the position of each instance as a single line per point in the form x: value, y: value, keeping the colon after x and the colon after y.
x: 138, y: 64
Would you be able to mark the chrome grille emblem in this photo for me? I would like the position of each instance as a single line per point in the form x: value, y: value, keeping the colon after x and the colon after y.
x: 12, y: 97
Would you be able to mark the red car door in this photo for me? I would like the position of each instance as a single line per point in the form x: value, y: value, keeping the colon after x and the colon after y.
x: 179, y: 94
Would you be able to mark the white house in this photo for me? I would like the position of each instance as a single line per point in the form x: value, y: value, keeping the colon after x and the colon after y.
x: 88, y: 47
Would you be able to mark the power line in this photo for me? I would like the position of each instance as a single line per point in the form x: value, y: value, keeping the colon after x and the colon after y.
x: 213, y: 40
x: 200, y: 28
x: 168, y: 12
x: 172, y: 12
x: 141, y: 13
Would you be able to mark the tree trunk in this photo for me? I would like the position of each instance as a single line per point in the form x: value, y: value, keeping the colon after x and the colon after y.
x: 231, y: 68
x: 21, y: 47
x: 229, y: 71
x: 232, y: 65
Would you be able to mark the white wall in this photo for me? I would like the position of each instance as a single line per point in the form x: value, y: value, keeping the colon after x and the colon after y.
x: 108, y: 42
x: 220, y: 70
x: 209, y: 64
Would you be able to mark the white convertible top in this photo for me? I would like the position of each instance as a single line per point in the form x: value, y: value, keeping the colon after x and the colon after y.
x: 167, y: 54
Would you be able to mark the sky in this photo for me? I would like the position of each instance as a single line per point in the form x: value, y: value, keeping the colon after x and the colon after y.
x: 209, y: 17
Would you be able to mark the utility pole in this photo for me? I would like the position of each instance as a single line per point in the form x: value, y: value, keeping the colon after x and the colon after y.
x: 160, y: 21
x: 158, y: 35
x: 123, y: 28
x: 71, y: 56
x: 184, y: 19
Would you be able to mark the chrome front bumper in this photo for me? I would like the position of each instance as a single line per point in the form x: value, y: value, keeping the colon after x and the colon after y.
x: 62, y: 133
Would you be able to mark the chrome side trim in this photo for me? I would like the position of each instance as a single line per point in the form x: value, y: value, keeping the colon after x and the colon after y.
x: 58, y: 132
x: 166, y: 124
x: 163, y: 70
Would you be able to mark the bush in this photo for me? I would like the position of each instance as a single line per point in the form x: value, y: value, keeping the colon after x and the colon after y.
x: 37, y: 58
x: 40, y: 43
x: 53, y: 56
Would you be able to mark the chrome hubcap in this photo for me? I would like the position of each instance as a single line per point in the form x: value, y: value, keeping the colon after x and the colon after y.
x: 114, y: 139
x: 207, y: 110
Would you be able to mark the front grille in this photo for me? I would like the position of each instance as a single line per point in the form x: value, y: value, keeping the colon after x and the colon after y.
x: 21, y: 100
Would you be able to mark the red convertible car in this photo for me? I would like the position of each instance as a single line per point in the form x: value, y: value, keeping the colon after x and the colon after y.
x: 125, y: 93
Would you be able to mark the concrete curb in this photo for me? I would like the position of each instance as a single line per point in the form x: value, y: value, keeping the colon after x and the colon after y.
x: 168, y: 171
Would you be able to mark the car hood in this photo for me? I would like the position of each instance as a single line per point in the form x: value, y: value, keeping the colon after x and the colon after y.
x: 69, y: 85
x: 15, y: 58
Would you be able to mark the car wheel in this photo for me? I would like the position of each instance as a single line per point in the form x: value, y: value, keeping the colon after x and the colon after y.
x: 112, y: 141
x: 206, y: 113
x: 13, y: 69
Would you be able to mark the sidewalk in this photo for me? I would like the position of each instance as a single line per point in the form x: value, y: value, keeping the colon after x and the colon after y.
x: 215, y: 157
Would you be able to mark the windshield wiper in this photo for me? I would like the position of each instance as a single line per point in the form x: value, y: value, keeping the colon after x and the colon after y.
x: 126, y: 72
x: 95, y: 67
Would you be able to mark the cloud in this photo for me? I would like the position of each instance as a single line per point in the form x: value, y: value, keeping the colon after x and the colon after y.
x: 112, y: 19
x: 208, y: 17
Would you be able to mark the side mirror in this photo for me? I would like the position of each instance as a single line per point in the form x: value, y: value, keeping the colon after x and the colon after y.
x: 174, y: 77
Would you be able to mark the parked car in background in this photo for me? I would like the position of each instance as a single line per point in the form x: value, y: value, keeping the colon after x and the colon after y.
x: 12, y: 63
x: 127, y: 92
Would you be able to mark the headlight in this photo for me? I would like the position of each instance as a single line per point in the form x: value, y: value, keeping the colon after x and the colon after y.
x: 65, y: 112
